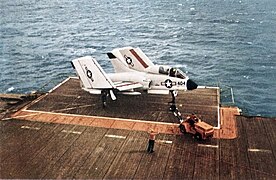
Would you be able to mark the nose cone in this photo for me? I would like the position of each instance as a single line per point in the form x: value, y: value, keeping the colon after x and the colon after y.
x: 191, y: 84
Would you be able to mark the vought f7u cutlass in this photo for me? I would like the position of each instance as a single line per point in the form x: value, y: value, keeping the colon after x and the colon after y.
x: 133, y: 71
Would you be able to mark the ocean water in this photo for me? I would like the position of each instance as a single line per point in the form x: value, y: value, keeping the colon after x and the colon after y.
x: 230, y: 43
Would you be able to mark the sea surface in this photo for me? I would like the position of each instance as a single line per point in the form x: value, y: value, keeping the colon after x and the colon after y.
x: 230, y: 43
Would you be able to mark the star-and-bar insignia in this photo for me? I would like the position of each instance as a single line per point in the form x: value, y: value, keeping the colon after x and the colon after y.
x: 168, y: 83
x: 128, y: 60
x: 89, y: 74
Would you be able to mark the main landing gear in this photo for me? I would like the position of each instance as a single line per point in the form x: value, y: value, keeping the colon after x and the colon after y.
x: 104, y: 94
x: 172, y: 103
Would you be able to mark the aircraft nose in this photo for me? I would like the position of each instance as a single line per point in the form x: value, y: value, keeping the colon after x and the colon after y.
x: 191, y: 84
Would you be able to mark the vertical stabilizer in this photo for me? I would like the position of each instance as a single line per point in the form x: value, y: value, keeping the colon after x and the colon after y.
x: 132, y: 58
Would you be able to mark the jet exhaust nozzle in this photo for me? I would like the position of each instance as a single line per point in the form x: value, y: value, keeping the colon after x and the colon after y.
x: 191, y: 85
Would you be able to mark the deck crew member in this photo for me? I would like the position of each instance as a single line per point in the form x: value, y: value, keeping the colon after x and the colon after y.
x: 152, y: 135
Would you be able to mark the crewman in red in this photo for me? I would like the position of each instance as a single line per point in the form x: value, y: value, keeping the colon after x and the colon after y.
x: 152, y: 136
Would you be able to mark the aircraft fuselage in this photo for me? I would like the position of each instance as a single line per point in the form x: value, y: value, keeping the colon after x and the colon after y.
x: 151, y: 81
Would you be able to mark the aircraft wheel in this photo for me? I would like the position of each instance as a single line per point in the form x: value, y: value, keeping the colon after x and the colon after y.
x: 182, y: 128
x: 104, y: 104
x: 198, y: 136
x: 172, y: 108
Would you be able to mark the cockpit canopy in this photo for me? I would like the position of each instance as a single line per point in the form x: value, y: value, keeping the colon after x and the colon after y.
x: 166, y: 70
x: 172, y: 72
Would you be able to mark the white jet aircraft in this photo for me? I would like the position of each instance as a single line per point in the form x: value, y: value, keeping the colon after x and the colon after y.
x: 133, y: 70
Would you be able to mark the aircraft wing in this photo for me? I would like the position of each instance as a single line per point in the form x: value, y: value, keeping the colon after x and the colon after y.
x: 124, y: 86
x: 94, y: 78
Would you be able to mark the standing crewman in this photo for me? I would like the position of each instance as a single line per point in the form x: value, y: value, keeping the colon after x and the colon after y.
x: 152, y: 135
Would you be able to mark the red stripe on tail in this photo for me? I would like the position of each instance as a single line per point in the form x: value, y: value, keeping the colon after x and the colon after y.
x: 139, y: 58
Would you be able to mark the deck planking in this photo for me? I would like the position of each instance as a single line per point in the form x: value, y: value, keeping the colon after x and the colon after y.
x: 67, y: 134
x: 77, y: 155
x: 76, y: 151
x: 259, y: 148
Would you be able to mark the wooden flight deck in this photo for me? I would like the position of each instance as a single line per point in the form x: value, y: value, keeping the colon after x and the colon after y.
x: 69, y: 104
x: 67, y: 134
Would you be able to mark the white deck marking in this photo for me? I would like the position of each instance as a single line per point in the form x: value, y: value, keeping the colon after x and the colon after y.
x: 101, y: 117
x: 218, y: 127
x: 207, y: 87
x: 115, y: 136
x: 66, y: 109
x: 28, y: 127
x: 164, y: 141
x: 71, y: 132
x: 218, y: 109
x: 57, y: 86
x: 208, y: 145
x: 34, y: 114
x: 260, y: 150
